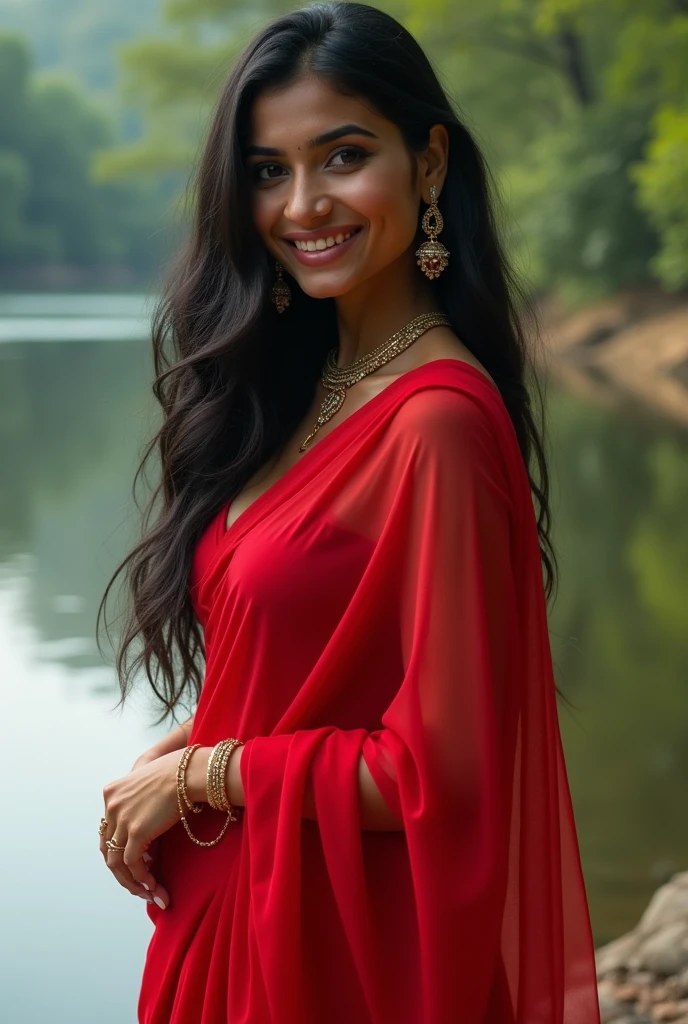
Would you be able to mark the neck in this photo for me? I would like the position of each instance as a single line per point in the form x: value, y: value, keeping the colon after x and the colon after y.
x: 370, y: 314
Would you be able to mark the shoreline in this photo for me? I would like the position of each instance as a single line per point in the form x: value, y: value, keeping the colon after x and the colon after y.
x: 628, y: 349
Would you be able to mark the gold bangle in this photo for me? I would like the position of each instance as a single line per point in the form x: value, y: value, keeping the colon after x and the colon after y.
x: 181, y: 789
x: 181, y: 780
x: 217, y: 775
x: 213, y: 794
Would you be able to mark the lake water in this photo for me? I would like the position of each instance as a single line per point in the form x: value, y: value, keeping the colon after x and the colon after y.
x: 74, y: 411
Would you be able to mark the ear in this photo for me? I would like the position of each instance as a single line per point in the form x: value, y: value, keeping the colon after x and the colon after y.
x: 433, y: 161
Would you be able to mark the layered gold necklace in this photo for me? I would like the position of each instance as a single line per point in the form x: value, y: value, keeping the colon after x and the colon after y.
x: 338, y: 378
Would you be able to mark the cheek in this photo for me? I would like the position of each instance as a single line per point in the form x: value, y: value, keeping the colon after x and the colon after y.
x: 385, y: 198
x: 264, y: 213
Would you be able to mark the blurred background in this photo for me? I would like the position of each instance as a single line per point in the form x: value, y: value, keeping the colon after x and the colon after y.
x: 581, y: 107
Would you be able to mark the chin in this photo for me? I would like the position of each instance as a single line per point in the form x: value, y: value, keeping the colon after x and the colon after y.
x: 332, y: 291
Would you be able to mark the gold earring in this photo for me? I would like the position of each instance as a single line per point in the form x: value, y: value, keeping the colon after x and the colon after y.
x: 433, y: 257
x: 281, y: 293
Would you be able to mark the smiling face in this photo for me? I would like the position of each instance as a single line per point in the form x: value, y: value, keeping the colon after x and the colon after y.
x: 332, y: 187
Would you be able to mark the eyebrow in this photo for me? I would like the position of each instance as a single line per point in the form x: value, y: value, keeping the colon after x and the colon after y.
x: 319, y: 140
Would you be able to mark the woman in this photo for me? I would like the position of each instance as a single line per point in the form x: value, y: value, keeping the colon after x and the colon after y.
x: 360, y: 570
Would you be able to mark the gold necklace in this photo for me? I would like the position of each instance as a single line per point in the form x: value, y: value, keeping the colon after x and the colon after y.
x: 338, y: 378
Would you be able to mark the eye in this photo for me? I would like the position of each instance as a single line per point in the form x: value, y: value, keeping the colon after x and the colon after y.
x: 256, y: 172
x: 358, y: 154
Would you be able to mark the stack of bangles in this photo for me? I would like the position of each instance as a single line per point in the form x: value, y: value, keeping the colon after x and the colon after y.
x: 215, y: 785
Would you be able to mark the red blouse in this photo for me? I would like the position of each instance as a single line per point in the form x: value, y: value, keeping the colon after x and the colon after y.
x: 383, y: 598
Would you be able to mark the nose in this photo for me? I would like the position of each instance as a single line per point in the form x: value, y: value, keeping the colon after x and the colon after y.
x: 306, y: 201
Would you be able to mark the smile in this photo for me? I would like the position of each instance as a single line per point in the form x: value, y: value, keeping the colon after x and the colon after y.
x: 323, y: 249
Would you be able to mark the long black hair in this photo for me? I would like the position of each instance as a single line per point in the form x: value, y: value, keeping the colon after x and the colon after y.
x: 234, y: 379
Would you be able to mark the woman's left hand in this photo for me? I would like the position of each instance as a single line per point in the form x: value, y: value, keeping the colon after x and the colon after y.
x: 139, y: 807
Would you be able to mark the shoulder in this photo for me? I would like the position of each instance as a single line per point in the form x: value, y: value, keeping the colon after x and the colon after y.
x: 455, y: 424
x: 448, y: 399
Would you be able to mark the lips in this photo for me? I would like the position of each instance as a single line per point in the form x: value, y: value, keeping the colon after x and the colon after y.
x: 327, y: 253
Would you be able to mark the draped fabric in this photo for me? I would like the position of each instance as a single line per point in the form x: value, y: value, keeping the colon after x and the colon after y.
x: 382, y: 600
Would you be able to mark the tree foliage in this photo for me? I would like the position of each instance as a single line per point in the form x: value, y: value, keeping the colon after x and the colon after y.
x: 82, y: 35
x: 51, y: 208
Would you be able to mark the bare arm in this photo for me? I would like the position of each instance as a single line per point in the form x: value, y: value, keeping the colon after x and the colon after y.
x: 175, y: 740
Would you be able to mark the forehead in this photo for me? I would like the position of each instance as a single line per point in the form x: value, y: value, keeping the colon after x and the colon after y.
x: 288, y: 117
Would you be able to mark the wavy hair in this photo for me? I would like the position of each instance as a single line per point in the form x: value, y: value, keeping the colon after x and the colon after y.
x: 233, y: 379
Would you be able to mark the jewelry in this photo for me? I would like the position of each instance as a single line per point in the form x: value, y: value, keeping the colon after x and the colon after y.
x: 281, y: 292
x: 182, y: 796
x: 433, y: 258
x: 338, y: 378
x: 102, y: 828
x: 113, y: 846
x: 216, y: 775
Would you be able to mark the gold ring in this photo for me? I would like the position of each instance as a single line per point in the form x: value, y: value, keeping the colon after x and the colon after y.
x: 102, y: 828
x: 113, y: 846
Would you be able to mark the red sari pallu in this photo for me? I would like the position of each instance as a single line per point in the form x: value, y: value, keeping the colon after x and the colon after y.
x: 383, y: 598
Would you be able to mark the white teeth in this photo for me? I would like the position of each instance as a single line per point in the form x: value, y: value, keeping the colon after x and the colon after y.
x: 322, y: 243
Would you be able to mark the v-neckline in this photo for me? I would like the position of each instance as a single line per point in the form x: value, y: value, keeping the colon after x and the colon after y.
x: 336, y: 431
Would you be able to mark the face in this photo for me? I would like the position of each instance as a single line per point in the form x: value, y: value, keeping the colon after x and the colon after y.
x: 331, y: 185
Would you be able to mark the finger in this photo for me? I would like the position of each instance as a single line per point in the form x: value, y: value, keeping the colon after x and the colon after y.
x: 160, y: 896
x: 115, y: 859
x: 122, y: 873
x: 138, y: 869
x: 134, y: 859
x: 157, y: 892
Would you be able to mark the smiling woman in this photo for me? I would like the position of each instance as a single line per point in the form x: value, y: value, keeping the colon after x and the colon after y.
x: 345, y: 572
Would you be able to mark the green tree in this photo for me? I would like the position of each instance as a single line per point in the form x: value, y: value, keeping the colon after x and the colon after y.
x: 79, y: 35
x: 51, y: 207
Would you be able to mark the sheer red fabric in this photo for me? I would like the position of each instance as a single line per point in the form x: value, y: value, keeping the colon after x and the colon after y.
x: 383, y: 599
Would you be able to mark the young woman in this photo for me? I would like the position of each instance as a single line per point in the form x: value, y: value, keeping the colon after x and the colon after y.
x: 344, y: 535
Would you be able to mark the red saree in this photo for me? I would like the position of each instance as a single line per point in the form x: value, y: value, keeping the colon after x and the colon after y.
x: 384, y: 598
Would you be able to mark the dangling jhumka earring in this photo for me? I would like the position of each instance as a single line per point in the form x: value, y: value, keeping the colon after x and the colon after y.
x: 433, y: 257
x: 281, y: 293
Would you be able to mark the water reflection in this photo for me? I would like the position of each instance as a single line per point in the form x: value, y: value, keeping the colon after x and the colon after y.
x: 73, y: 416
x: 621, y: 646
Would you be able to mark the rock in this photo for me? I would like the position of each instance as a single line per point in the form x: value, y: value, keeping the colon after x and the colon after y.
x: 615, y: 954
x: 643, y: 976
x: 662, y: 994
x: 671, y: 991
x: 610, y: 1008
x: 666, y: 1011
x: 628, y: 993
x: 666, y: 950
x: 669, y: 904
x: 644, y: 1004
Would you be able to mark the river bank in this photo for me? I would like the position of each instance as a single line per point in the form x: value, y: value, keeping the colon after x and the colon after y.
x: 643, y: 976
x: 632, y: 348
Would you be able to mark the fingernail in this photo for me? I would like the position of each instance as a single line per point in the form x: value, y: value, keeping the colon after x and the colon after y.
x: 159, y: 902
x: 147, y: 857
x: 147, y: 887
